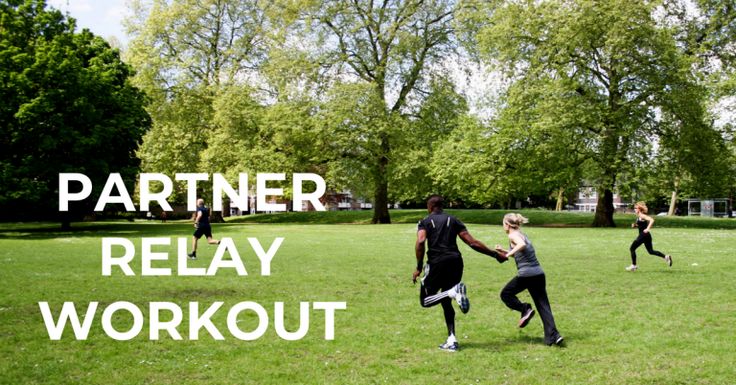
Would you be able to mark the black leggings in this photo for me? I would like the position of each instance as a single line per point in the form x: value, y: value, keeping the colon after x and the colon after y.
x: 646, y: 239
x: 537, y: 289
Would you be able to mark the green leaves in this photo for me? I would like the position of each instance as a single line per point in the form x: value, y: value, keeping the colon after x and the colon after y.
x: 594, y: 82
x: 67, y: 107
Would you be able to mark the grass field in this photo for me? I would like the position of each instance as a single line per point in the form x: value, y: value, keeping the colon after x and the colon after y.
x: 659, y: 325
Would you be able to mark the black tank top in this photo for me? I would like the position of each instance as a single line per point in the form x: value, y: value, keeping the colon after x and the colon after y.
x: 642, y: 224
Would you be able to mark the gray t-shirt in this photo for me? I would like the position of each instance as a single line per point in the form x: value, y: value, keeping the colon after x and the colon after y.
x: 526, y: 260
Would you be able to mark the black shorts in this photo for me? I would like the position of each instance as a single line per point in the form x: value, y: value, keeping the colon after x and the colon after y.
x: 443, y: 275
x: 205, y: 230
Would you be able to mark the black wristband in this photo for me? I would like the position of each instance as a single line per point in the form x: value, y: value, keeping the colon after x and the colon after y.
x: 419, y: 265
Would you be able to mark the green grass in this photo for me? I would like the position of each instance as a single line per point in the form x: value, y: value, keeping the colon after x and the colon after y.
x: 659, y: 325
x: 491, y: 217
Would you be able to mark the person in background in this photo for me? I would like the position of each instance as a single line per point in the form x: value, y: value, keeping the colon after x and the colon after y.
x: 202, y: 227
x: 644, y: 223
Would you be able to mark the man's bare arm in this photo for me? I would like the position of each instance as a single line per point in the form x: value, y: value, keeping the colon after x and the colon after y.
x: 481, y: 247
x: 419, y: 252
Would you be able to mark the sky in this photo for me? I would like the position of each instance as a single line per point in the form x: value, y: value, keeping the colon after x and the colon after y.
x: 103, y: 17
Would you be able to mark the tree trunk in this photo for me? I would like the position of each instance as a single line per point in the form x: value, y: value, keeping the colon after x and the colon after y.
x: 604, y: 210
x: 380, y: 204
x: 673, y: 200
x: 560, y: 199
x: 66, y: 221
x: 673, y: 203
x: 216, y: 217
x: 226, y: 208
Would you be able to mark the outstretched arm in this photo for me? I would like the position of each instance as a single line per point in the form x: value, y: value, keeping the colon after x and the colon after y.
x: 419, y: 252
x: 481, y: 247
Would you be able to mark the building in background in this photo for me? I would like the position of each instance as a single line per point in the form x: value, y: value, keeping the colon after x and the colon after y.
x: 587, y: 200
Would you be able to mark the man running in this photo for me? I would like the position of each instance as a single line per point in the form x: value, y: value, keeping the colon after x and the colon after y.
x: 444, y: 269
x: 202, y: 227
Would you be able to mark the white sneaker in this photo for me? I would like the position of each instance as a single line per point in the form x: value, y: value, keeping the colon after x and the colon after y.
x: 450, y: 347
x: 668, y: 259
x: 461, y: 297
x: 632, y: 268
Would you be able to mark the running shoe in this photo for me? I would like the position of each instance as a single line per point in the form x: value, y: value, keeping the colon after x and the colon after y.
x: 668, y: 259
x: 559, y: 341
x: 632, y: 268
x: 526, y: 316
x: 462, y: 297
x: 450, y: 347
x: 192, y: 255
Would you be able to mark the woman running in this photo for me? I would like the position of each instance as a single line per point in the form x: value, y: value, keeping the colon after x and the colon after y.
x: 530, y: 277
x: 644, y: 222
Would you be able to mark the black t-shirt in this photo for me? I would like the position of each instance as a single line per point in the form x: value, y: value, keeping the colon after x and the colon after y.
x: 442, y: 230
x: 204, y: 220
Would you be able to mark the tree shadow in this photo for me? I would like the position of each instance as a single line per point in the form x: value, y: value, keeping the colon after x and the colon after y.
x: 43, y: 231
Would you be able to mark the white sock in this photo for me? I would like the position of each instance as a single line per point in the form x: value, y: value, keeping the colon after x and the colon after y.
x: 452, y: 293
x: 451, y: 339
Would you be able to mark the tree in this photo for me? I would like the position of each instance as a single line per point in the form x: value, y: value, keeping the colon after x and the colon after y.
x: 610, y: 57
x: 387, y: 46
x: 540, y: 138
x: 67, y: 106
x: 191, y: 54
x: 466, y: 168
x: 441, y: 113
x: 706, y: 29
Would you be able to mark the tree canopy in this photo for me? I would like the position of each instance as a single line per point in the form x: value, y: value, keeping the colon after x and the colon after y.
x: 618, y: 95
x: 611, y: 82
x: 382, y: 53
x: 67, y: 106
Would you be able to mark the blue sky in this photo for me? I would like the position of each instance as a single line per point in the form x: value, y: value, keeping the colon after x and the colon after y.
x: 102, y: 17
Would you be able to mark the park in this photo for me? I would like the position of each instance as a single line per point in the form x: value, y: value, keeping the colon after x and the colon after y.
x: 658, y: 325
x: 247, y: 192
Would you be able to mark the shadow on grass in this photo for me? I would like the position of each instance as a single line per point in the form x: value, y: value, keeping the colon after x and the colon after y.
x: 49, y: 231
x: 498, y: 345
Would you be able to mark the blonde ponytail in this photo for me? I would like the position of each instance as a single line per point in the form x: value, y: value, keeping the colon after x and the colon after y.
x: 514, y: 220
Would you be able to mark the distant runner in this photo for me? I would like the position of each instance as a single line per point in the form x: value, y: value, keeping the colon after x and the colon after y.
x: 644, y: 223
x: 202, y: 226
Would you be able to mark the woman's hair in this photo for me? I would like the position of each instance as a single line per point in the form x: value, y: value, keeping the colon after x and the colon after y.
x: 514, y: 220
x: 642, y: 207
